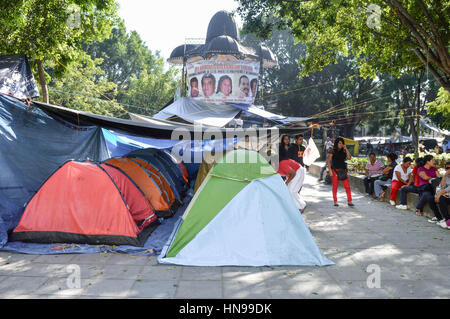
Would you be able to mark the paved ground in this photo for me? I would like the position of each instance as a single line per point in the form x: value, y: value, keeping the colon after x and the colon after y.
x: 410, y: 255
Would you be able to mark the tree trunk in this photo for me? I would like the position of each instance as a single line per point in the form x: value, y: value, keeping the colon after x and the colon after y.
x: 415, y: 141
x: 42, y: 81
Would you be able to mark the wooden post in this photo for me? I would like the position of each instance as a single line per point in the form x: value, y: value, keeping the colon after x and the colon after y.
x: 42, y: 81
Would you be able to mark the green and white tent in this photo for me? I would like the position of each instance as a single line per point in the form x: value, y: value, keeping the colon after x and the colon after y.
x: 242, y: 215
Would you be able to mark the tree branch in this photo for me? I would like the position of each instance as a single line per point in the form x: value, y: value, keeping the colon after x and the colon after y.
x: 442, y: 53
x: 414, y: 23
x: 418, y: 37
x: 441, y: 79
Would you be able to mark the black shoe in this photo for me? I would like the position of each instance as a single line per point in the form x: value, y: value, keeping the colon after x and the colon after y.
x: 336, y: 204
x: 351, y: 204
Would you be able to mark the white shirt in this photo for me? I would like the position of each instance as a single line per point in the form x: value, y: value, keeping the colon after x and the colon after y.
x: 327, y: 145
x: 404, y: 176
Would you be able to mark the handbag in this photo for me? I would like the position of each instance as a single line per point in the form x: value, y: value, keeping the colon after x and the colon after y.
x: 342, y: 174
x: 383, y: 178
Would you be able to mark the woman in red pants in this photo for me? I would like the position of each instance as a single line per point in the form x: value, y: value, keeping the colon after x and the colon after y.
x: 336, y: 166
x: 400, y: 178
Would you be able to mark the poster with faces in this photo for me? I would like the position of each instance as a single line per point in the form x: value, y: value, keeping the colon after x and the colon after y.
x: 223, y: 81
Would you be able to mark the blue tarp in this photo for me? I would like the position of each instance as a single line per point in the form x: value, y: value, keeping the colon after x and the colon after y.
x: 153, y: 245
x: 32, y: 146
x: 189, y: 152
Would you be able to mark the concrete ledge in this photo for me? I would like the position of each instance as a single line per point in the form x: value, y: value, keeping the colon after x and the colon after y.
x: 357, y: 184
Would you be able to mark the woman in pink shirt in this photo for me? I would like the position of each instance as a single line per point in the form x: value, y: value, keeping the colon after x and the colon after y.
x: 426, y: 173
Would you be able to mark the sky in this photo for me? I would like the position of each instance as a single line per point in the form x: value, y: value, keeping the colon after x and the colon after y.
x: 165, y: 24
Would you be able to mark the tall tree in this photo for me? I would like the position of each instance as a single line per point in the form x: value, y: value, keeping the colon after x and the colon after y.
x: 383, y: 34
x: 76, y: 89
x: 53, y: 31
x: 337, y: 85
x: 142, y: 82
x: 440, y: 109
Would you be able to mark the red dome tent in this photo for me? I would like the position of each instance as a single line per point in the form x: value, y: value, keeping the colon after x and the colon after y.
x: 87, y: 203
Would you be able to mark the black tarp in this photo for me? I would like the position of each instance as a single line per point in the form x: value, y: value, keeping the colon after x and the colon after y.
x: 16, y: 77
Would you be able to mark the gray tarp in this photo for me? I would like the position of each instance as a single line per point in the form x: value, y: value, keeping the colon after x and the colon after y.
x: 196, y: 112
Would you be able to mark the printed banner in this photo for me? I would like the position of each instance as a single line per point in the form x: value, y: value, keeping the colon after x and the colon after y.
x: 223, y: 81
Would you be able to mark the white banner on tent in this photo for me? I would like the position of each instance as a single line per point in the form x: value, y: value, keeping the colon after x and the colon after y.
x: 223, y: 81
x: 311, y: 153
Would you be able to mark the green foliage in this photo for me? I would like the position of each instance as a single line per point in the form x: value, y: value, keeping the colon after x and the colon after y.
x: 439, y: 159
x: 53, y: 30
x: 441, y: 107
x: 143, y: 84
x: 411, y: 33
x: 77, y: 90
x: 357, y: 164
x: 287, y: 93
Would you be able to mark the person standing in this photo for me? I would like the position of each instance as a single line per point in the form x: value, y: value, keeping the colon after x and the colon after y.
x: 400, y: 178
x: 337, y: 166
x: 297, y: 150
x: 443, y: 197
x: 388, y: 172
x: 422, y: 148
x: 373, y: 167
x: 284, y: 147
x: 326, y: 147
x: 295, y: 175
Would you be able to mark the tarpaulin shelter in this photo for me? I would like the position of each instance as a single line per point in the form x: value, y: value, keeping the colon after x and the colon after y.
x: 354, y: 145
x: 119, y: 144
x: 86, y: 203
x: 33, y: 145
x: 16, y: 77
x: 242, y: 215
x: 215, y: 114
x: 150, y: 182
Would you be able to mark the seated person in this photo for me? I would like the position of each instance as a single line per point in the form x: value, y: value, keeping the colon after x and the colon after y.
x: 426, y: 173
x: 373, y: 168
x: 443, y: 197
x: 387, y: 172
x: 412, y: 186
x: 400, y: 178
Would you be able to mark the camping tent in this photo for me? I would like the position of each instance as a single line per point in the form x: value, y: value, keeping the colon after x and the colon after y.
x: 150, y: 181
x: 242, y: 215
x: 100, y: 205
x: 32, y: 146
x: 166, y: 164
